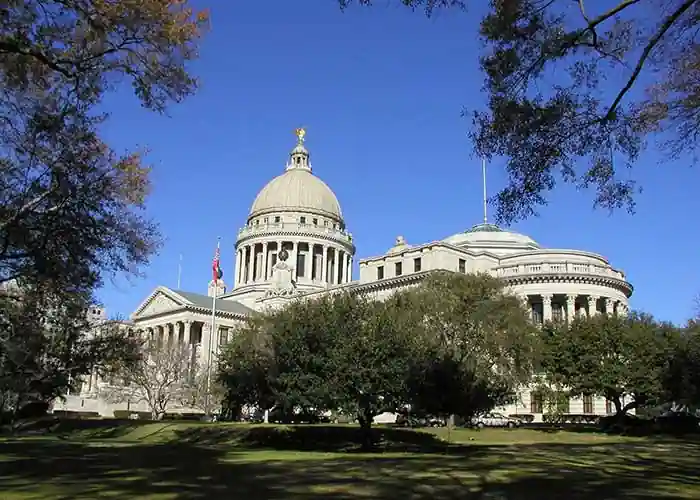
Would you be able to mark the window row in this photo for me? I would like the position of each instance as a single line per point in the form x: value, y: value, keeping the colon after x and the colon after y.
x: 398, y: 268
x: 417, y: 267
x: 561, y: 404
x: 302, y: 220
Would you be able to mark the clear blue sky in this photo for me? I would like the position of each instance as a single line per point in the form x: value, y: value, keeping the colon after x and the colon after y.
x: 380, y: 91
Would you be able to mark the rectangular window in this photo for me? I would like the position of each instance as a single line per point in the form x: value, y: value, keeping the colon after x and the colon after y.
x: 315, y: 221
x: 557, y: 313
x: 609, y: 407
x: 277, y: 219
x: 588, y: 404
x: 536, y: 402
x: 416, y: 265
x: 398, y: 269
x: 380, y: 273
x: 537, y: 315
x: 223, y: 336
x: 302, y: 220
x: 462, y: 266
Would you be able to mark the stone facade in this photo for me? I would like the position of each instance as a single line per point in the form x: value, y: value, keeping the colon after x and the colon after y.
x: 295, y: 243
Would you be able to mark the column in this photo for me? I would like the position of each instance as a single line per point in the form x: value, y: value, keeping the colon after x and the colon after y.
x: 592, y: 301
x: 206, y: 343
x: 166, y: 334
x: 570, y: 307
x: 264, y: 263
x: 237, y: 279
x: 546, y: 307
x: 188, y: 332
x: 324, y: 262
x: 609, y: 306
x: 348, y: 272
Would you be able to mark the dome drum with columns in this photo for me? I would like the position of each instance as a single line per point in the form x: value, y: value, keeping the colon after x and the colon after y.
x: 295, y: 244
x: 298, y: 213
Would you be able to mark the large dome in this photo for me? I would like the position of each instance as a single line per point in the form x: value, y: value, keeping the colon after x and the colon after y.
x: 297, y: 189
x: 300, y: 190
x: 491, y: 235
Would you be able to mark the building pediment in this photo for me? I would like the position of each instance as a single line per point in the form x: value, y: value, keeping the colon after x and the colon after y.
x: 159, y: 302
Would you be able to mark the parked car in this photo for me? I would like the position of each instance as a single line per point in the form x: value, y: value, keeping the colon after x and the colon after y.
x: 495, y: 420
x: 403, y: 420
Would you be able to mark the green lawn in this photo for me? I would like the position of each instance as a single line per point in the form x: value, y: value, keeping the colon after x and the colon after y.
x: 232, y: 461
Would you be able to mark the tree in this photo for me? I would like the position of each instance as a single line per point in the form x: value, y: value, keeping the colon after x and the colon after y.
x: 203, y: 391
x: 163, y: 375
x: 624, y: 359
x: 479, y: 346
x: 683, y: 377
x: 246, y: 368
x: 373, y: 349
x: 47, y: 347
x: 71, y: 209
x: 429, y: 6
x: 571, y: 127
x: 341, y: 352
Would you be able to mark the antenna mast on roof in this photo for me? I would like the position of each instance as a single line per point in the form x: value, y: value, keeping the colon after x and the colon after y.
x: 483, y: 174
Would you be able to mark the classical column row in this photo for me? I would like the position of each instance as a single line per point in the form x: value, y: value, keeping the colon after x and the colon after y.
x: 179, y: 332
x: 543, y: 306
x: 312, y: 262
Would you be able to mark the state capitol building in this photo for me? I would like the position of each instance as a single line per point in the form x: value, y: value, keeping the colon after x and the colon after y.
x: 296, y: 243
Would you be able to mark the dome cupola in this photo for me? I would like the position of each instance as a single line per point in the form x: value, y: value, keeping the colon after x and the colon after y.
x: 297, y: 189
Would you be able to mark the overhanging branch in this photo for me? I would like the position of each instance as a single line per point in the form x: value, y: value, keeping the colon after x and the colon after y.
x: 665, y: 26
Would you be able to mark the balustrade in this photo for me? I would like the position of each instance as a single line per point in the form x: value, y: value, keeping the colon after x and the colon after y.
x: 558, y: 267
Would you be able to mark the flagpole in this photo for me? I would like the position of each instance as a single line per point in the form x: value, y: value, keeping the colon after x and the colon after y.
x: 211, y: 331
x: 483, y: 173
x: 179, y: 272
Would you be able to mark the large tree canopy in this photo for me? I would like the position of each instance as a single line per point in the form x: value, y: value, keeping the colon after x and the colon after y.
x: 572, y: 86
x: 71, y: 208
x: 575, y: 89
x: 624, y: 359
x: 478, y: 345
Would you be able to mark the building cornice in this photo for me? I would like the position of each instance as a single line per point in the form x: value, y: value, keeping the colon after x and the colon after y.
x: 591, y: 279
x: 191, y: 309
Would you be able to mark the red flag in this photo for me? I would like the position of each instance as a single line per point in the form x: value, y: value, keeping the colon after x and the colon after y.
x: 216, y: 271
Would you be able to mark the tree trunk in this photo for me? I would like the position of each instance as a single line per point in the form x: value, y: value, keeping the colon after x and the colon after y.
x: 365, y: 419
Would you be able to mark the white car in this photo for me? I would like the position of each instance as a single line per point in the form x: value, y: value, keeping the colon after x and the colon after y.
x: 495, y: 420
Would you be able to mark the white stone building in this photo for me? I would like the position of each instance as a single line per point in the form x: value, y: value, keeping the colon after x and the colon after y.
x: 296, y: 243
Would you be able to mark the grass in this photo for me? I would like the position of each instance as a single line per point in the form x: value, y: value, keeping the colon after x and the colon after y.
x: 167, y: 461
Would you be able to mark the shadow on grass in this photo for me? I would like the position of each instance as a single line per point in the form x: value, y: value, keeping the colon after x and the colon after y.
x: 191, y: 468
x: 323, y: 438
